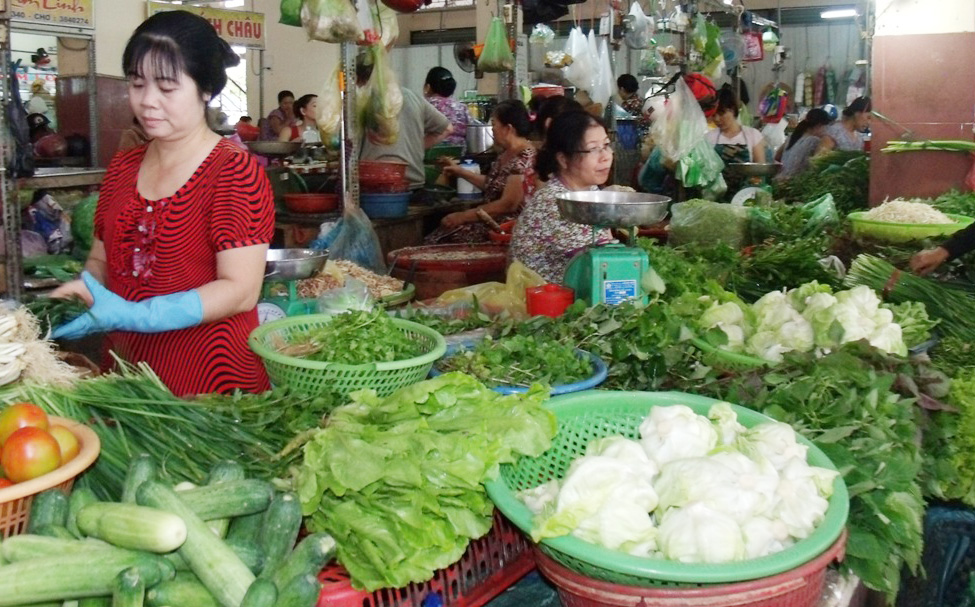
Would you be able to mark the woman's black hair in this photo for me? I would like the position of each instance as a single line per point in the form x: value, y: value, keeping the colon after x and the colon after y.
x: 860, y: 104
x: 628, y: 83
x: 301, y: 103
x: 727, y: 100
x: 179, y: 41
x: 282, y: 95
x: 513, y: 112
x: 814, y: 117
x: 565, y: 136
x: 441, y: 81
x: 552, y: 107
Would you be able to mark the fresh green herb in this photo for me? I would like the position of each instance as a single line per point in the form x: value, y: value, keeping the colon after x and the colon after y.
x: 51, y: 312
x: 953, y: 354
x: 354, y: 338
x: 845, y: 175
x: 449, y: 322
x: 60, y: 267
x: 520, y: 360
x: 949, y: 444
x: 955, y: 202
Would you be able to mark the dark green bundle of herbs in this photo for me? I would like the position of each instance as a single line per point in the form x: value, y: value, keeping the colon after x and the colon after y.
x: 354, y: 338
x: 520, y: 360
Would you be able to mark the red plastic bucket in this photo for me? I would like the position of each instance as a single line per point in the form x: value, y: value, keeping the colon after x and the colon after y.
x: 548, y: 300
x: 800, y: 587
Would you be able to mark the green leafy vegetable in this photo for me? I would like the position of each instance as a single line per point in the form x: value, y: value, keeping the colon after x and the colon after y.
x: 520, y: 360
x: 845, y: 175
x: 354, y: 338
x: 51, y: 312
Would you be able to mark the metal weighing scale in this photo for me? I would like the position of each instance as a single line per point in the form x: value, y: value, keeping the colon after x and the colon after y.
x: 610, y: 273
x: 748, y: 171
x: 282, y: 271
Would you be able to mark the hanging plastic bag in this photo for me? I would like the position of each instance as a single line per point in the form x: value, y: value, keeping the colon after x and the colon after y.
x: 592, y: 50
x: 680, y: 125
x: 496, y: 55
x: 639, y: 28
x: 378, y: 22
x: 541, y: 35
x: 699, y: 35
x: 330, y: 20
x: 603, y: 87
x: 774, y: 133
x: 353, y: 238
x: 290, y: 12
x: 578, y: 69
x: 380, y: 101
x: 329, y: 116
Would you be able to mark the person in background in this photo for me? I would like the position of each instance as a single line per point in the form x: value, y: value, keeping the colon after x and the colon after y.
x: 182, y: 226
x: 280, y: 117
x: 629, y: 98
x: 303, y: 128
x: 548, y: 109
x: 802, y: 144
x: 577, y: 156
x: 734, y: 142
x: 437, y: 89
x: 504, y: 184
x: 959, y: 244
x: 246, y: 129
x: 846, y: 134
x: 421, y: 127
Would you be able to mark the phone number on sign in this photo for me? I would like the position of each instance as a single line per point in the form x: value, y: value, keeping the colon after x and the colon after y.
x: 51, y: 18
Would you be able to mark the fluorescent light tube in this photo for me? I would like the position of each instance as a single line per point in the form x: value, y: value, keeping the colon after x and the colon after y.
x: 839, y: 14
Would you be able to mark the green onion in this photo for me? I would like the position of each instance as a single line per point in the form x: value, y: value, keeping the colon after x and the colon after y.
x: 938, y: 145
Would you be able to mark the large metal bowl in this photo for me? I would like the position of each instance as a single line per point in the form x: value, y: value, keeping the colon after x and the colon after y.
x: 274, y: 149
x: 610, y: 209
x: 754, y: 169
x: 293, y: 264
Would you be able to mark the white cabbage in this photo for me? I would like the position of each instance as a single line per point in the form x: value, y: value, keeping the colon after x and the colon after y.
x: 726, y: 423
x: 773, y: 441
x: 802, y: 504
x: 764, y: 536
x: 675, y: 432
x: 698, y: 534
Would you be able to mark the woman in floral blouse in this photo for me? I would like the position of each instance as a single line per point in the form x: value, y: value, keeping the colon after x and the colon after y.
x: 439, y: 87
x: 577, y: 155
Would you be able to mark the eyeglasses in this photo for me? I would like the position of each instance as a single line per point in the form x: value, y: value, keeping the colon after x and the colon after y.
x: 606, y: 147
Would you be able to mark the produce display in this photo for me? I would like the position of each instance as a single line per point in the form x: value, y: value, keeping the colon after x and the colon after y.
x: 519, y: 361
x: 24, y: 353
x: 336, y: 272
x: 354, y: 338
x: 907, y: 211
x: 30, y: 446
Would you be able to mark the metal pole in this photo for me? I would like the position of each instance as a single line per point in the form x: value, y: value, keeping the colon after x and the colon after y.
x: 350, y: 141
x: 13, y: 266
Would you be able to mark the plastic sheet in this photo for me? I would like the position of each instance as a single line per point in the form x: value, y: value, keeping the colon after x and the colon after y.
x: 353, y: 295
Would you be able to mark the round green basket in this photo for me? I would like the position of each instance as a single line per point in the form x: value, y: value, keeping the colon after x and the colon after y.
x: 905, y: 232
x: 314, y: 377
x: 585, y: 416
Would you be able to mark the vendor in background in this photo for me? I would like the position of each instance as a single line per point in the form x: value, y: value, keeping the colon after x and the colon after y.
x: 802, y: 144
x: 437, y: 89
x: 847, y: 134
x: 577, y: 156
x: 503, y: 186
x: 629, y: 97
x: 960, y: 243
x: 734, y: 142
x: 183, y: 223
x: 280, y: 117
x: 303, y: 128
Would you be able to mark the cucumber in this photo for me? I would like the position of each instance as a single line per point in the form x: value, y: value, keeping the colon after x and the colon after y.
x: 26, y: 547
x: 79, y: 498
x: 279, y: 530
x: 245, y: 529
x: 229, y: 499
x: 310, y: 555
x: 130, y: 589
x: 220, y: 474
x: 209, y: 557
x: 132, y: 526
x: 96, y: 601
x: 72, y: 576
x: 250, y: 554
x: 262, y: 593
x: 184, y: 590
x: 48, y: 508
x: 141, y: 469
x: 303, y: 591
x: 56, y: 531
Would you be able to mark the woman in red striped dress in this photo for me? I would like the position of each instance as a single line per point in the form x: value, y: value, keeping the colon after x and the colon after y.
x: 183, y: 223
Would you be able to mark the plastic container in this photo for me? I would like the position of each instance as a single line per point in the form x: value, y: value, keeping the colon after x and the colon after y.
x: 466, y: 189
x: 382, y: 177
x: 16, y: 500
x: 385, y: 205
x: 311, y: 202
x: 438, y: 268
x: 800, y: 587
x: 584, y: 416
x: 548, y: 300
x: 314, y: 377
x: 948, y: 559
x: 489, y: 566
x: 905, y: 232
x: 441, y: 150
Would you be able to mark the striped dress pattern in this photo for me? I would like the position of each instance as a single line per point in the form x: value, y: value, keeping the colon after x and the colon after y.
x: 159, y: 247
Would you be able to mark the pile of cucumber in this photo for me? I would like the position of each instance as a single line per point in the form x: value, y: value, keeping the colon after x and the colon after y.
x: 228, y: 543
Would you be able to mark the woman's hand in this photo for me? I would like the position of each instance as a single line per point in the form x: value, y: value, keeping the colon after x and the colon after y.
x: 924, y: 262
x: 459, y: 218
x: 453, y: 170
x: 74, y: 288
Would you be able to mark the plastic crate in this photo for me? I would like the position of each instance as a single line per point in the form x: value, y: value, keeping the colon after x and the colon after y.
x: 948, y: 560
x: 491, y: 564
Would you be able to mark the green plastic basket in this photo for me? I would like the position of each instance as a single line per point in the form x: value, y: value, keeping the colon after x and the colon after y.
x: 729, y: 361
x: 585, y: 416
x: 904, y: 232
x: 314, y: 377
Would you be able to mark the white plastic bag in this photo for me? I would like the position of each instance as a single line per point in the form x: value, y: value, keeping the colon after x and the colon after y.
x: 602, y: 89
x: 329, y: 114
x: 579, y: 72
x: 680, y: 125
x: 639, y: 28
x: 541, y: 34
x: 593, y: 50
x: 774, y: 133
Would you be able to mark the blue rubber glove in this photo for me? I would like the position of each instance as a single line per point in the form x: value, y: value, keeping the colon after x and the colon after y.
x: 113, y: 313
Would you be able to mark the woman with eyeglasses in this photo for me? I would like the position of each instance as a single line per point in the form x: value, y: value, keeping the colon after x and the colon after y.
x: 577, y: 156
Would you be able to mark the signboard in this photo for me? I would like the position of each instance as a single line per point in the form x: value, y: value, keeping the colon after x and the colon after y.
x: 73, y: 13
x: 236, y: 27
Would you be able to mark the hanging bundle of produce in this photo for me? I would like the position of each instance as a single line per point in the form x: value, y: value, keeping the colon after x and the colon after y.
x: 380, y: 100
x: 330, y: 20
x: 496, y: 55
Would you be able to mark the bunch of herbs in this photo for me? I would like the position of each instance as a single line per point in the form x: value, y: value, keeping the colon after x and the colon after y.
x: 520, y: 360
x: 354, y: 338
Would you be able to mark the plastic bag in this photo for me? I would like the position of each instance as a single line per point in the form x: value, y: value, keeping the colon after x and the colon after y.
x: 354, y: 239
x: 703, y: 221
x: 496, y: 55
x: 290, y: 12
x: 378, y: 23
x: 330, y: 20
x: 497, y: 297
x: 639, y: 28
x: 701, y: 166
x: 681, y: 124
x: 820, y: 213
x: 329, y: 116
x: 602, y: 88
x: 592, y: 50
x: 21, y: 163
x: 353, y: 295
x: 541, y: 34
x: 579, y: 69
x: 379, y: 102
x: 699, y: 35
x: 774, y: 133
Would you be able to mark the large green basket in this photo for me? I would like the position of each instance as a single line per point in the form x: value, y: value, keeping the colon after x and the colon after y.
x: 904, y: 232
x: 314, y: 377
x: 585, y: 416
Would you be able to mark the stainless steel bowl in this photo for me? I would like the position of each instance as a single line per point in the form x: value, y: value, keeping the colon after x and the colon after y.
x: 293, y: 264
x: 480, y: 138
x: 274, y: 149
x: 613, y: 209
x: 754, y: 169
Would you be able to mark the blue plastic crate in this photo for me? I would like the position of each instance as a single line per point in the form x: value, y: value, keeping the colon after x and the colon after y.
x: 948, y: 560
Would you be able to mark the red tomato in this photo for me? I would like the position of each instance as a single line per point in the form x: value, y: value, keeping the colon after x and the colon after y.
x: 28, y: 453
x: 67, y: 441
x: 20, y: 415
x: 5, y: 482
